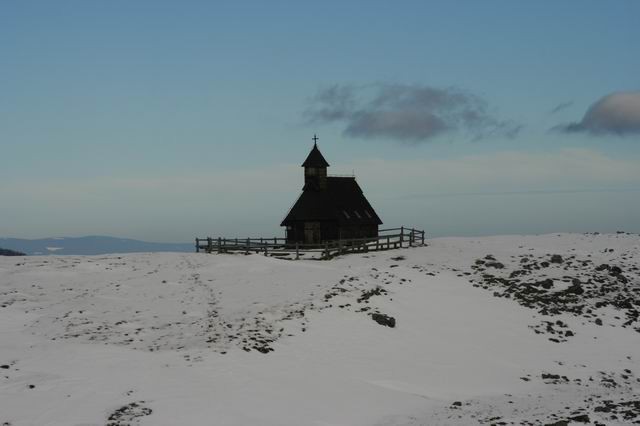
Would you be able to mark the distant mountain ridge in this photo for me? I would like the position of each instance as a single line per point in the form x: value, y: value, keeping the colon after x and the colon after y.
x: 7, y: 252
x: 89, y: 245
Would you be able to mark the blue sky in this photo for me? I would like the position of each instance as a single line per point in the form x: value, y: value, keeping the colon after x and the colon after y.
x: 166, y: 120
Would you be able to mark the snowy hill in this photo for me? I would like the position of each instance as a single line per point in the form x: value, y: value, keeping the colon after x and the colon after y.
x: 90, y: 245
x: 494, y: 330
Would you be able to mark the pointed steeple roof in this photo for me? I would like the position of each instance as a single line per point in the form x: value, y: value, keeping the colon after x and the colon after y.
x: 315, y: 158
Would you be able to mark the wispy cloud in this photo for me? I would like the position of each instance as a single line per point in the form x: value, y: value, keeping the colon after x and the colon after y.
x: 561, y: 106
x: 406, y: 113
x: 523, y: 192
x: 617, y: 113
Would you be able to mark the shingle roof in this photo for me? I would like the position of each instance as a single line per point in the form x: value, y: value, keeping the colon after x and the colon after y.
x: 341, y: 201
x: 315, y: 159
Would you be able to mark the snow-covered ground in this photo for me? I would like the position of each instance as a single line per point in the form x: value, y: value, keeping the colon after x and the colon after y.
x: 492, y: 330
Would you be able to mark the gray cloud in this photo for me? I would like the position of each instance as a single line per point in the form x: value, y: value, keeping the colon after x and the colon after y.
x: 561, y: 106
x: 408, y: 113
x: 617, y: 113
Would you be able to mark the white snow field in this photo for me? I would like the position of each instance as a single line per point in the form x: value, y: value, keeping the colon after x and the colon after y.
x: 492, y: 330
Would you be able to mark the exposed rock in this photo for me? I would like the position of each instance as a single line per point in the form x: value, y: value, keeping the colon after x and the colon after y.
x: 556, y: 258
x: 576, y: 287
x: 123, y: 416
x: 615, y: 270
x: 367, y: 294
x: 550, y: 376
x: 558, y: 423
x: 582, y: 418
x: 383, y: 319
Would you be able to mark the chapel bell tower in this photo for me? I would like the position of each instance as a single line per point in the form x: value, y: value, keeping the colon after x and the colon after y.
x: 315, y: 169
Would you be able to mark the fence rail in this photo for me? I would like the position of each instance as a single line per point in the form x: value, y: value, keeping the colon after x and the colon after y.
x: 387, y: 239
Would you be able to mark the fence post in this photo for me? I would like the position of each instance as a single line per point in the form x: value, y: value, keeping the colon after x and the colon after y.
x: 411, y: 238
x: 219, y: 245
x: 401, y: 235
x: 388, y: 242
x: 422, y: 237
x: 209, y: 245
x: 297, y: 251
x: 197, y: 246
x: 326, y: 249
x: 247, y: 247
x: 266, y: 249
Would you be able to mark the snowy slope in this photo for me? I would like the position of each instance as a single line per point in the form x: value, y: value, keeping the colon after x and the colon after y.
x: 481, y: 337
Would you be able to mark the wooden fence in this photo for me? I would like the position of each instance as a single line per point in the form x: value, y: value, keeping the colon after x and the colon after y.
x: 387, y: 239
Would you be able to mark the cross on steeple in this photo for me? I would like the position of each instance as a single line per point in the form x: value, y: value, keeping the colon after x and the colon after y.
x: 315, y: 139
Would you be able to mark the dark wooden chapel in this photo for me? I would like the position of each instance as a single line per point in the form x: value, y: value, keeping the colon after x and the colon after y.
x: 330, y: 207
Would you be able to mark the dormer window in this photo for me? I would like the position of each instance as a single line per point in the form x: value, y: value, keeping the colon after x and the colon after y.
x: 368, y: 214
x: 346, y: 214
x: 357, y: 214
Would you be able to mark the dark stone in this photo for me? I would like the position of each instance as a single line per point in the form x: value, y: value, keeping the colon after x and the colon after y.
x: 615, y: 270
x: 558, y: 423
x: 127, y: 414
x: 263, y: 349
x: 546, y: 284
x: 575, y: 287
x: 582, y: 418
x: 556, y: 258
x: 368, y: 294
x: 383, y: 319
x: 457, y: 404
x: 607, y: 408
x: 5, y: 366
x: 602, y: 267
x: 598, y: 321
x: 551, y: 376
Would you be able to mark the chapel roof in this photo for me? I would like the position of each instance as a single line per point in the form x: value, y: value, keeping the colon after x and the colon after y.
x: 342, y: 200
x: 315, y: 158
